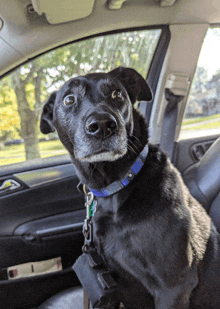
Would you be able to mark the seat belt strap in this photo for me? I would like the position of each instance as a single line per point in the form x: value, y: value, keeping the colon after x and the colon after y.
x: 169, y: 122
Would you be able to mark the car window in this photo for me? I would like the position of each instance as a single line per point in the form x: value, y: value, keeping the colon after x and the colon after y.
x: 202, y: 114
x: 24, y: 91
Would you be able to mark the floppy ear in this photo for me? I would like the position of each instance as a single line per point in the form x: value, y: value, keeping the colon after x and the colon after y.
x: 46, y: 122
x: 136, y: 86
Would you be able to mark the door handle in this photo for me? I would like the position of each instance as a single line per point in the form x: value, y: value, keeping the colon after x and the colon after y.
x: 8, y: 185
x: 34, y: 268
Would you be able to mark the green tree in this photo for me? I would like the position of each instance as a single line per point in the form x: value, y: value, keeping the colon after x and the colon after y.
x: 200, y: 81
x: 9, y: 118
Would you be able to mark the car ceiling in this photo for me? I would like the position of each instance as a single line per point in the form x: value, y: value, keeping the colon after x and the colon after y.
x: 26, y: 34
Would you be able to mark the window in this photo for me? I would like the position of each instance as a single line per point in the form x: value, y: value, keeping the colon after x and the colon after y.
x: 202, y: 115
x: 23, y: 92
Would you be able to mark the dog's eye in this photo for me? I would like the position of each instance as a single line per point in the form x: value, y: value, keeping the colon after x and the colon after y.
x: 116, y: 94
x: 69, y: 99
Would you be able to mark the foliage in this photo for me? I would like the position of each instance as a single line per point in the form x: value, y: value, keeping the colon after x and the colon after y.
x: 200, y: 81
x: 9, y: 118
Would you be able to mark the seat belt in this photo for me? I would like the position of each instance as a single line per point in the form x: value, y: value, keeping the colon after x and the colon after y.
x: 176, y: 88
x: 169, y: 122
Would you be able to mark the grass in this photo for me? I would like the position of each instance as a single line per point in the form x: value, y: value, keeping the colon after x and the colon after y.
x: 199, y: 119
x: 16, y: 153
x: 205, y: 126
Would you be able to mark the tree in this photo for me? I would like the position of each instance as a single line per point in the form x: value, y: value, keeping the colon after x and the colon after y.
x: 200, y: 81
x: 9, y: 118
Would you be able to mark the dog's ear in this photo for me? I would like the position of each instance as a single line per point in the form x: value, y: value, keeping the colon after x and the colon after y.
x: 136, y: 86
x: 46, y: 122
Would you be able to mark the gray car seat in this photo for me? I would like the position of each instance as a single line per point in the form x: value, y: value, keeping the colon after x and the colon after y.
x: 68, y: 299
x: 203, y: 181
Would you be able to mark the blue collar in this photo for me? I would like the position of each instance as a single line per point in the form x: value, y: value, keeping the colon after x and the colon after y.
x: 120, y: 184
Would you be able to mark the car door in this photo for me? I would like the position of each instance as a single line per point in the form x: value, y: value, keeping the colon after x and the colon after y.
x: 41, y: 210
x: 40, y: 236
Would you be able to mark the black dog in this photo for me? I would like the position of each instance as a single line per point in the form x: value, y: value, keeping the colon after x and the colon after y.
x: 156, y: 238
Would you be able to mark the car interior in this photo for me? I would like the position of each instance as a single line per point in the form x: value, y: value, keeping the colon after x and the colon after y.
x: 173, y: 44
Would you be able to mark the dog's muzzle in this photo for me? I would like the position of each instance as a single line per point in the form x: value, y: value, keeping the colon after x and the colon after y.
x: 101, y: 125
x: 101, y: 136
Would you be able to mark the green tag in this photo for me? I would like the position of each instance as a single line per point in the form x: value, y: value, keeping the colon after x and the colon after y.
x: 92, y: 209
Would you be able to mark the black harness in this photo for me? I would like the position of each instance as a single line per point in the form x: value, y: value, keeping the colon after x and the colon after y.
x: 91, y: 270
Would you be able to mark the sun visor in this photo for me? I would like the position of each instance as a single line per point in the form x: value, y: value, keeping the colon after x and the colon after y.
x: 61, y: 11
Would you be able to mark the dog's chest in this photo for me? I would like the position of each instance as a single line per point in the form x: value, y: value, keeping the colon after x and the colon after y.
x: 116, y: 237
x: 134, y: 243
x: 108, y: 228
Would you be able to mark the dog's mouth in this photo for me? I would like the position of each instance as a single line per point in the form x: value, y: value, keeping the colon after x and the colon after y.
x: 103, y: 155
x: 89, y: 148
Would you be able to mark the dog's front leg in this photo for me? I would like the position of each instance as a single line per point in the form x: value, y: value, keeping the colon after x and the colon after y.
x: 177, y: 296
x: 171, y: 300
x: 169, y: 291
x: 112, y: 304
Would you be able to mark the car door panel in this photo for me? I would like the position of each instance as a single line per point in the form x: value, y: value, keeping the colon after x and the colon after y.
x: 31, y: 292
x: 37, y: 230
x: 40, y: 220
x: 189, y: 151
x: 42, y: 196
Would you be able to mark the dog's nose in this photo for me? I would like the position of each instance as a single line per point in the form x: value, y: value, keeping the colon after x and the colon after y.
x: 101, y: 125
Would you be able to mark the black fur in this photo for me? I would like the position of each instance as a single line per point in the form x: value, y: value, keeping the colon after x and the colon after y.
x: 156, y: 238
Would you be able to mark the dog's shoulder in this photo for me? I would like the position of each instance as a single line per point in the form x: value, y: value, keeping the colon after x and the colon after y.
x: 181, y: 204
x: 159, y: 174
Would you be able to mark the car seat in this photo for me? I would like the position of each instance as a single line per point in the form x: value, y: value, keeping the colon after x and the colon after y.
x: 203, y: 181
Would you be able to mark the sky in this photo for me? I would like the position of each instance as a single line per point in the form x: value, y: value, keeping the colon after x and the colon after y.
x: 210, y: 53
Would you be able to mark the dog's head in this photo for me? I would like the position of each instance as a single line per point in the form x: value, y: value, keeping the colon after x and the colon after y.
x: 93, y: 113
